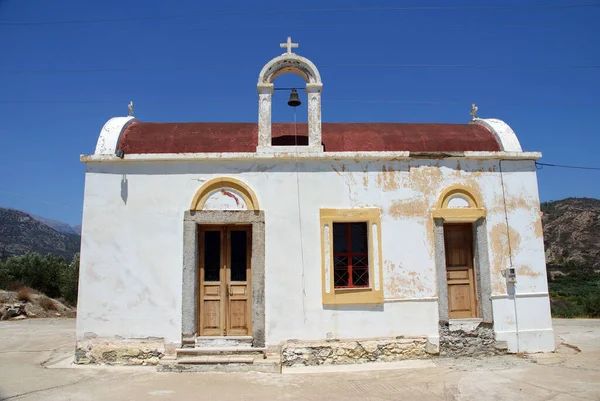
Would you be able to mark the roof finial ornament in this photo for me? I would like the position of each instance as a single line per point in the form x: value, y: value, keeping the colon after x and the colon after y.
x: 289, y: 45
x: 474, y: 112
x: 130, y: 107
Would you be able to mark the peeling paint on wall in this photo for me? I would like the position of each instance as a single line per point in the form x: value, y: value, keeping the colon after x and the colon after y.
x: 408, y: 208
x: 513, y: 203
x: 405, y: 191
x: 386, y: 180
x: 525, y: 270
x: 538, y: 229
x: 500, y: 257
x: 231, y: 195
x: 402, y: 283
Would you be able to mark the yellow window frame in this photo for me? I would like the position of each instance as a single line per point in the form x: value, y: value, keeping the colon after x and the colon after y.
x: 352, y: 296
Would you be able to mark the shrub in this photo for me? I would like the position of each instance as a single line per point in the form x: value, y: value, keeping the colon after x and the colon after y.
x: 576, y: 294
x: 69, y: 281
x: 47, y: 303
x: 51, y: 275
x: 36, y: 271
x: 24, y: 294
x: 591, y: 304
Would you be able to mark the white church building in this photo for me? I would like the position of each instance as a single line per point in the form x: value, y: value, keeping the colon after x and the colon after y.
x: 255, y: 245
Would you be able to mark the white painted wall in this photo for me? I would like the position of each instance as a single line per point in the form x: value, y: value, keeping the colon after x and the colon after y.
x: 132, y: 245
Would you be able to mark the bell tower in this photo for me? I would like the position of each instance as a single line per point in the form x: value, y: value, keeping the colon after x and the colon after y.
x: 289, y: 62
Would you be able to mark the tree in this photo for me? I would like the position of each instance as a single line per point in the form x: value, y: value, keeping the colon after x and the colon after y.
x: 69, y: 280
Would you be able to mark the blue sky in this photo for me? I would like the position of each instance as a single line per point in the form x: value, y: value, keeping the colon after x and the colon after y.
x: 59, y: 83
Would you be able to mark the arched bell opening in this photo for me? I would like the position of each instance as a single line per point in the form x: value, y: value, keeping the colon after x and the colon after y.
x: 286, y: 66
x: 289, y: 111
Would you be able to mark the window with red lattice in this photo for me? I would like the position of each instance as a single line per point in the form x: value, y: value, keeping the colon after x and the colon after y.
x: 350, y: 255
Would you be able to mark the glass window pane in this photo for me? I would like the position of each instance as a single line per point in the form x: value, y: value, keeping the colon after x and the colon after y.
x: 340, y: 239
x: 360, y: 271
x: 359, y: 237
x: 340, y: 271
x: 212, y: 255
x: 238, y: 255
x: 350, y: 255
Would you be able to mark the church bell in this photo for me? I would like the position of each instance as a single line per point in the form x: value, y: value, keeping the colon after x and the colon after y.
x: 294, y: 99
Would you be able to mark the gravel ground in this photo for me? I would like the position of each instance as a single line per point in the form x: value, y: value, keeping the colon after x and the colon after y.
x: 35, y: 356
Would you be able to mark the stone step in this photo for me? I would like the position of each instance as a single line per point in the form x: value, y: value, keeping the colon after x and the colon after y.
x: 192, y: 365
x: 214, y: 359
x: 231, y: 350
x: 221, y: 341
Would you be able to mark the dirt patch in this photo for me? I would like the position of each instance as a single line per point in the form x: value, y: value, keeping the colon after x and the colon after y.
x: 33, y: 304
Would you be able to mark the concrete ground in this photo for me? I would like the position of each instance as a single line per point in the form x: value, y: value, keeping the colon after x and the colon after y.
x: 34, y: 357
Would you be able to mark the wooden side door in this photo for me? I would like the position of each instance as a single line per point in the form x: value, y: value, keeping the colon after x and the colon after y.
x: 460, y: 275
x: 212, y: 290
x: 239, y: 303
x: 224, y: 304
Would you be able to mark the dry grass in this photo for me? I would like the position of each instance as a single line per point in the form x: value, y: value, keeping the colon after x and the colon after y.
x: 24, y: 294
x: 15, y: 285
x: 47, y: 303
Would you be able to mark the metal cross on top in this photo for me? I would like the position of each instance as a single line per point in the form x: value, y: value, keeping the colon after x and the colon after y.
x: 289, y: 45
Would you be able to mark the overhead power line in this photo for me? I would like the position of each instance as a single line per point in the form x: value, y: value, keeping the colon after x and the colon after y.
x: 39, y: 199
x: 331, y: 101
x: 374, y: 65
x: 541, y: 165
x: 308, y: 10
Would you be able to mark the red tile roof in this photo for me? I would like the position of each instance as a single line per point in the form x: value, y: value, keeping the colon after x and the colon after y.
x: 142, y: 137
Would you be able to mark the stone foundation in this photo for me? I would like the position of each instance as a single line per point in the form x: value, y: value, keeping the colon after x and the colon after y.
x: 335, y: 352
x: 119, y: 352
x: 476, y: 339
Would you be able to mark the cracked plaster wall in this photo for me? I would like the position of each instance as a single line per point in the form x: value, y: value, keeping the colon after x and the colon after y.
x: 132, y: 244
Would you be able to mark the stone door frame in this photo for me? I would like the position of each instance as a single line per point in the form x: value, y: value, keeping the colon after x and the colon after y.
x: 481, y: 265
x: 191, y: 220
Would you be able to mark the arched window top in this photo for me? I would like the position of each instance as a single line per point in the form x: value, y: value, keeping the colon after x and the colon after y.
x: 458, y: 196
x: 224, y: 193
x: 459, y: 204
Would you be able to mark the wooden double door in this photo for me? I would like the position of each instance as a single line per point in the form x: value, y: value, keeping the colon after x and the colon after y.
x: 460, y: 274
x: 225, y: 301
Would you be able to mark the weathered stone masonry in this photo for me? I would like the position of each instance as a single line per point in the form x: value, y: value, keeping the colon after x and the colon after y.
x: 335, y: 352
x: 479, y: 341
x: 119, y: 352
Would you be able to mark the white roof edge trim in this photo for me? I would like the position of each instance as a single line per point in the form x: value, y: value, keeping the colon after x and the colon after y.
x: 249, y: 156
x: 504, y: 134
x: 110, y: 133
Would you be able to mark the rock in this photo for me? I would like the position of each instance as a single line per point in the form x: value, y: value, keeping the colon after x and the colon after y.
x: 20, y: 317
x: 431, y: 349
x: 353, y: 352
x: 8, y: 314
x: 370, y: 347
x: 501, y: 345
x: 324, y: 353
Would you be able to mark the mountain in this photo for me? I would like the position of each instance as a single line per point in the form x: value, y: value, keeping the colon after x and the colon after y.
x: 77, y: 229
x: 572, y: 233
x: 20, y: 232
x: 57, y: 225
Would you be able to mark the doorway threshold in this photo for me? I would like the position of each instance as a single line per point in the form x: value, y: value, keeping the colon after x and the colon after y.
x: 224, y: 341
x: 465, y: 324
